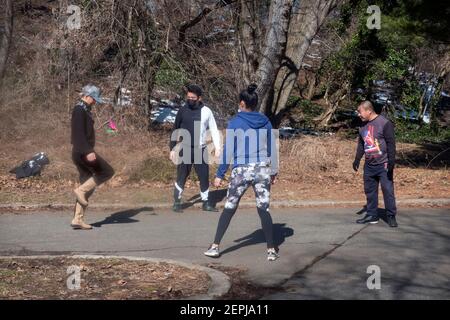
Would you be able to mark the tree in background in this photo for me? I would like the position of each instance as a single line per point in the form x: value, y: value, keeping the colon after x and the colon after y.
x: 274, y: 64
x: 6, y: 36
x: 412, y: 40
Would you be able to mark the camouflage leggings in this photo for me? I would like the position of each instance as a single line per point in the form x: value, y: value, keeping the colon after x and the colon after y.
x: 241, y: 179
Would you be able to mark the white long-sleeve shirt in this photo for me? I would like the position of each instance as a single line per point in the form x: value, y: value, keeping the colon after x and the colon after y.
x: 197, y: 120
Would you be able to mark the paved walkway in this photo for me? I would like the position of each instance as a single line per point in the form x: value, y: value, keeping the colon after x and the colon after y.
x: 324, y: 253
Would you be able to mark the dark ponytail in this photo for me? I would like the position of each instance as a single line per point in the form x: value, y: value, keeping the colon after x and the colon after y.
x: 249, y: 96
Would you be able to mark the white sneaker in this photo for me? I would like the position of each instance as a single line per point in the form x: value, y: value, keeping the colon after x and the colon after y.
x: 212, y: 252
x: 272, y: 255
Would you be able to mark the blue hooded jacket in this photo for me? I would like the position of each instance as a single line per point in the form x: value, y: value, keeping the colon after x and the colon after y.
x: 249, y: 140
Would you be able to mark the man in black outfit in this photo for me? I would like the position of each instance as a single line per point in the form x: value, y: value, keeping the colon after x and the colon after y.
x: 190, y: 129
x: 93, y: 169
x: 377, y: 142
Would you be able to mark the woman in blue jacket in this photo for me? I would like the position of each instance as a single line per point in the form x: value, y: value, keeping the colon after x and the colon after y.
x: 250, y: 148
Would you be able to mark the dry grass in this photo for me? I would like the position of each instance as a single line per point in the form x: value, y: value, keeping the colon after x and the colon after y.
x: 311, y: 169
x: 310, y: 156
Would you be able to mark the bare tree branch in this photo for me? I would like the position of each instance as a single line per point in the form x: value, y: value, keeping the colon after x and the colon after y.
x: 207, y: 10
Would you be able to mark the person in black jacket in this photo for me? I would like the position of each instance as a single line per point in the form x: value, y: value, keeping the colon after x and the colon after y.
x: 93, y: 169
x: 377, y: 143
x: 192, y: 123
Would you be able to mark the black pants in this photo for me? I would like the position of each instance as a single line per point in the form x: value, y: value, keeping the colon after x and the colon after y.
x: 184, y: 169
x: 373, y: 177
x: 99, y: 169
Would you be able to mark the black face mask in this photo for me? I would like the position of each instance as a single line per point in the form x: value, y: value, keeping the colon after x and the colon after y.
x: 191, y: 103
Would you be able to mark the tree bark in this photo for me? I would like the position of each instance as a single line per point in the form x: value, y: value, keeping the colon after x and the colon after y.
x: 303, y: 27
x: 311, y: 86
x: 274, y: 50
x: 7, y: 37
x: 249, y: 43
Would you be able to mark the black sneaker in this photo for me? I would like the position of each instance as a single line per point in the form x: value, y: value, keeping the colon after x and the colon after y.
x: 364, y: 209
x: 177, y: 206
x: 368, y: 219
x: 208, y: 207
x: 392, y: 222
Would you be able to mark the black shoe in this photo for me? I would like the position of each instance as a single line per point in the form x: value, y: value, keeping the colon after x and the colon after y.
x: 208, y: 207
x: 177, y: 206
x: 364, y: 209
x: 392, y: 222
x: 368, y: 219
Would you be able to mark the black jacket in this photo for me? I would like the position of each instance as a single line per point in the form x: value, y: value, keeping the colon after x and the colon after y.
x: 377, y: 142
x: 83, y: 134
x: 185, y: 119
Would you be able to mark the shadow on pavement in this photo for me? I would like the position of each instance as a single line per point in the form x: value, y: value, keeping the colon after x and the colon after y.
x: 280, y: 233
x: 124, y: 216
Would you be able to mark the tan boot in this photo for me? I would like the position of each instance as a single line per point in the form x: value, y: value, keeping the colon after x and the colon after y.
x: 77, y: 222
x: 81, y: 191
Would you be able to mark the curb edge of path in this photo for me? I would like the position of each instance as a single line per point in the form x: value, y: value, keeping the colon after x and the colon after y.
x: 244, y: 204
x: 219, y: 286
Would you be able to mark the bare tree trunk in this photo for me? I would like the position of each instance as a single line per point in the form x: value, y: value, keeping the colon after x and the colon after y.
x: 7, y: 37
x: 333, y: 103
x: 421, y: 106
x: 311, y: 87
x: 444, y: 70
x: 249, y: 44
x: 139, y: 42
x: 304, y: 26
x: 125, y: 47
x: 149, y: 56
x: 274, y: 49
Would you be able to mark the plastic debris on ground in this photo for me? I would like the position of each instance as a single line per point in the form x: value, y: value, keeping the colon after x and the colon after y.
x: 31, y: 167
